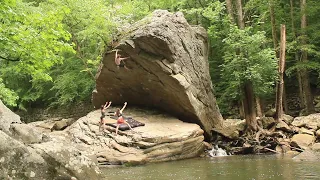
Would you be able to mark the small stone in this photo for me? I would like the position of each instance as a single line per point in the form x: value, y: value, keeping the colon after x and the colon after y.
x: 32, y: 174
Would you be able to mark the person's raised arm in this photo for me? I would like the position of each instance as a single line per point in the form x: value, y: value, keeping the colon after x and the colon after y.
x: 108, y: 105
x: 116, y: 57
x: 123, y: 58
x: 124, y: 106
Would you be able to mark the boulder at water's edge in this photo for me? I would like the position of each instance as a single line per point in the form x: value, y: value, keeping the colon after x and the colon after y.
x: 169, y: 70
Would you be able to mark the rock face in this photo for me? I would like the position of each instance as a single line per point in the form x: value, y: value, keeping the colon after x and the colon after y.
x: 26, y: 153
x: 7, y: 117
x: 163, y: 138
x: 25, y: 133
x: 33, y: 151
x: 169, y: 70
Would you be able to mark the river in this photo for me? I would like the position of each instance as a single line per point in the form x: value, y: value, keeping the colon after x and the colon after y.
x: 254, y: 167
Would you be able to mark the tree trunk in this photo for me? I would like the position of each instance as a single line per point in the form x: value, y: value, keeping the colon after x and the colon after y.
x: 241, y: 109
x: 249, y: 110
x: 259, y: 109
x: 273, y: 26
x: 230, y: 9
x: 296, y: 55
x: 279, y: 108
x: 284, y: 100
x: 308, y: 99
x: 248, y: 101
x: 275, y: 45
x: 240, y: 15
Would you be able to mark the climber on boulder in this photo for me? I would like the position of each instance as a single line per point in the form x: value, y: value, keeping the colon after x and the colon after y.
x: 119, y: 61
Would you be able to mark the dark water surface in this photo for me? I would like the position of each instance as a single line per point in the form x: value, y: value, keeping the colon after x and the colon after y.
x: 258, y: 167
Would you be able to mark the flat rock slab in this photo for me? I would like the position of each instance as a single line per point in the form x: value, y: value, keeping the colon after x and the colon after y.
x: 162, y: 138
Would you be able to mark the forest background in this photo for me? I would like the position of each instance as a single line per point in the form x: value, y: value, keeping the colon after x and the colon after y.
x: 50, y: 50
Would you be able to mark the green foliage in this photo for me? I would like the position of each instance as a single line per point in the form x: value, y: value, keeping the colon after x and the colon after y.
x: 246, y: 59
x: 8, y: 96
x: 32, y: 40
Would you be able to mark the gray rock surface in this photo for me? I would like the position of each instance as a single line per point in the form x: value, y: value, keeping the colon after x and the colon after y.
x: 81, y: 148
x: 25, y: 155
x: 7, y: 117
x: 168, y: 70
x: 316, y: 147
x: 231, y: 128
x: 282, y: 125
x: 19, y: 161
x: 25, y: 133
x: 308, y: 155
x: 311, y: 121
x: 266, y: 122
x: 163, y: 138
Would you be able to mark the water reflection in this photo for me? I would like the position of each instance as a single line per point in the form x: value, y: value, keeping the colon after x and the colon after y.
x: 221, y: 168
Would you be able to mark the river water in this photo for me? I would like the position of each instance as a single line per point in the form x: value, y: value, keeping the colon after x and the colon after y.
x: 254, y: 167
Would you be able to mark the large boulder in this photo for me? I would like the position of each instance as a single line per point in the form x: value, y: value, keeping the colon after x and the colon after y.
x: 169, y: 70
x: 7, y: 117
x: 231, y: 129
x: 303, y: 141
x: 19, y: 161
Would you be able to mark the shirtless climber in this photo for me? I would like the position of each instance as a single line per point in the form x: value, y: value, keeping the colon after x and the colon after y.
x: 120, y: 60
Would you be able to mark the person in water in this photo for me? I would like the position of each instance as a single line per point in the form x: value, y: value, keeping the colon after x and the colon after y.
x: 120, y: 119
x: 103, y: 114
x: 119, y: 61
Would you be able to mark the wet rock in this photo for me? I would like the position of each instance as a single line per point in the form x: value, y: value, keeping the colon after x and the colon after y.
x: 283, y: 147
x: 292, y: 153
x: 168, y: 70
x: 308, y: 155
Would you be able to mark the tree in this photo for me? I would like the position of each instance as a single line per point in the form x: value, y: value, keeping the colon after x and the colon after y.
x: 250, y: 69
x: 305, y: 83
x: 33, y: 40
x: 280, y: 84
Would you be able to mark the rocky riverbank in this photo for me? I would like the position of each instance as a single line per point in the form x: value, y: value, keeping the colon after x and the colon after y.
x: 290, y: 136
x: 40, y: 150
